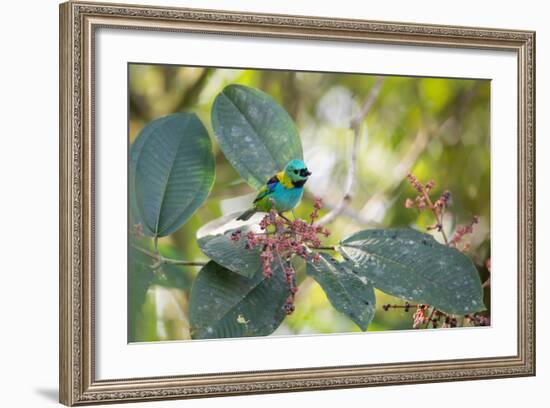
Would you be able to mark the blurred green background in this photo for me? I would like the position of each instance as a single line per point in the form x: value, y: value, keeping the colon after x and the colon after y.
x: 436, y: 128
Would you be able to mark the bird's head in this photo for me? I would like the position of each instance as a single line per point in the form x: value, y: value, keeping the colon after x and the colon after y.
x: 297, y: 172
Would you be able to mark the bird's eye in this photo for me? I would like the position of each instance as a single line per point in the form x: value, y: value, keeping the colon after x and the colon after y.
x: 296, y: 171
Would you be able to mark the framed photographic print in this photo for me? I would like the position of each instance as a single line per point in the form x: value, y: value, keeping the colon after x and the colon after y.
x: 261, y: 203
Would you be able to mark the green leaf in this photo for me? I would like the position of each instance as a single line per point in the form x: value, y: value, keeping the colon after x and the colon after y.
x: 140, y: 277
x: 350, y: 294
x: 171, y: 172
x: 413, y: 266
x: 257, y: 136
x: 214, y: 240
x: 224, y: 304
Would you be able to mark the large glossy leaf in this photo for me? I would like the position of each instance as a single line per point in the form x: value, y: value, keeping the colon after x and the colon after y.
x: 171, y: 172
x: 225, y: 304
x: 413, y: 266
x: 349, y: 293
x: 214, y: 239
x: 257, y: 136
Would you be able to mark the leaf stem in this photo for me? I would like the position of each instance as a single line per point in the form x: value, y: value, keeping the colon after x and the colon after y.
x: 325, y: 248
x: 163, y: 260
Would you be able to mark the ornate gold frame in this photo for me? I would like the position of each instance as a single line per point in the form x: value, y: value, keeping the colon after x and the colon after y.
x: 78, y: 22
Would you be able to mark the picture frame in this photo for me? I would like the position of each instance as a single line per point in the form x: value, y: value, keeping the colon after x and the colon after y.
x: 79, y: 25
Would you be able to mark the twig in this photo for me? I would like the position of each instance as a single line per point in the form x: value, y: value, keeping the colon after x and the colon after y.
x: 163, y: 260
x: 349, y: 213
x: 436, y: 215
x: 326, y: 248
x: 407, y: 306
x: 430, y: 318
x: 355, y: 125
x: 181, y: 262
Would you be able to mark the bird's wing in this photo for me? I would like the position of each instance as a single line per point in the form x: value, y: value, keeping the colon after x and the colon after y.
x: 268, y: 188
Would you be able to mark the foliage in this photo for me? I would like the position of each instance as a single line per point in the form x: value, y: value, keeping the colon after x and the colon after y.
x: 171, y: 172
x: 256, y: 134
x: 349, y: 293
x: 215, y: 241
x: 249, y: 285
x: 226, y: 304
x: 411, y: 265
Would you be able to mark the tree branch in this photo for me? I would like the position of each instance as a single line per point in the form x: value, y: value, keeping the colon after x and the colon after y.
x: 190, y: 97
x: 355, y: 125
x: 400, y: 171
x: 417, y: 147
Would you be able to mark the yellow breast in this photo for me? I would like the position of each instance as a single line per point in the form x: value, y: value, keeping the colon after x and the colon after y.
x: 285, y: 181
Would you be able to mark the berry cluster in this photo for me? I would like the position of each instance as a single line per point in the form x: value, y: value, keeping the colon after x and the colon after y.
x: 442, y: 319
x: 477, y: 320
x: 419, y: 317
x: 280, y: 240
x: 463, y: 230
x: 423, y: 201
x: 450, y: 322
x: 436, y: 318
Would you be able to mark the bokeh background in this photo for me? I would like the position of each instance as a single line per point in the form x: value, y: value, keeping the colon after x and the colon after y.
x: 436, y: 128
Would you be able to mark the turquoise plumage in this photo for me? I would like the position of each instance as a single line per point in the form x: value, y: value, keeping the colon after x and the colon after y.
x: 284, y: 189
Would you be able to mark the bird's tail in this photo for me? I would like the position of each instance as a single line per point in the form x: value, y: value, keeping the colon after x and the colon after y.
x: 247, y: 214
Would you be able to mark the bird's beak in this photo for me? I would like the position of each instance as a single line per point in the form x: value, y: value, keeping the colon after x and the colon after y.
x: 305, y: 173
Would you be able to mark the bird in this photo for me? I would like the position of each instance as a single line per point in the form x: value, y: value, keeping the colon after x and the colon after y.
x: 284, y: 190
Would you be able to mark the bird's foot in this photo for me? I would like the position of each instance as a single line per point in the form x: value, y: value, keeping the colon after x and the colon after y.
x: 283, y: 217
